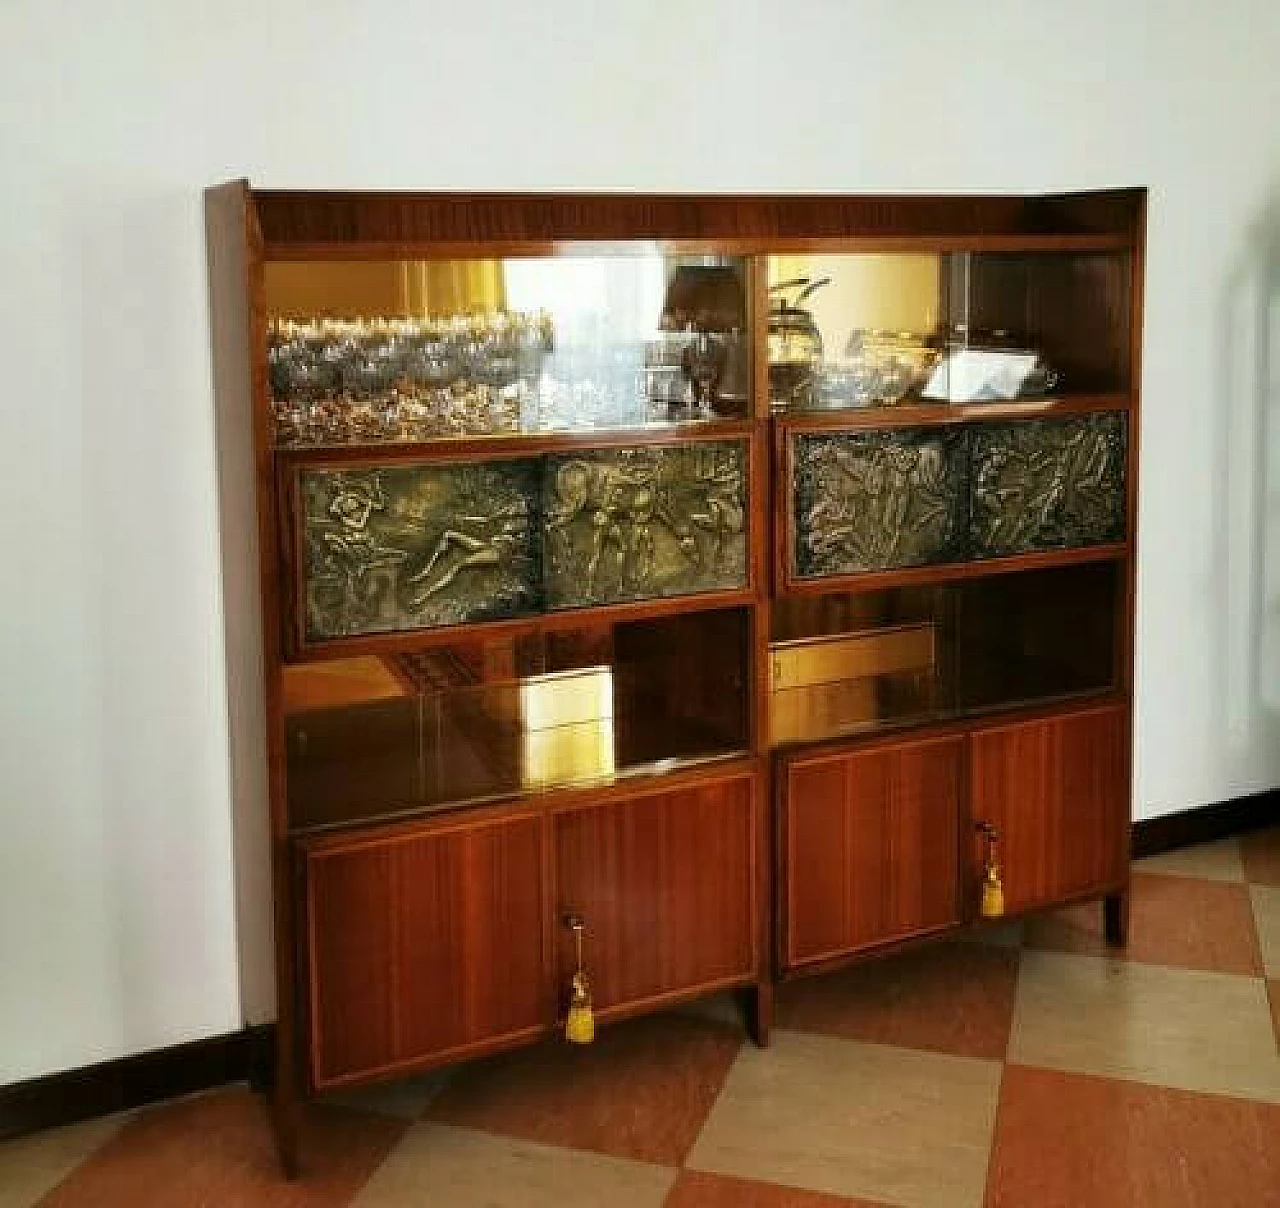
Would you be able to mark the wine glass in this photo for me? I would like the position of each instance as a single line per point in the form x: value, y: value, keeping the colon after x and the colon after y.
x: 703, y: 363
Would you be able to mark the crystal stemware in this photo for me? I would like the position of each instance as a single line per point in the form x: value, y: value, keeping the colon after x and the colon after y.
x: 703, y: 363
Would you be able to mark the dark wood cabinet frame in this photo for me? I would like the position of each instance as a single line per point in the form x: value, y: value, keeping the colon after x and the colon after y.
x: 739, y: 811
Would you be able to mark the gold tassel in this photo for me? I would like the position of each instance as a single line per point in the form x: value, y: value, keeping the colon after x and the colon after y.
x: 580, y: 1026
x: 992, y: 887
x: 992, y: 893
x: 580, y: 1023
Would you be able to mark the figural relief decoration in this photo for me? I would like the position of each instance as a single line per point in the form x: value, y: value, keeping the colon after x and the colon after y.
x: 868, y: 501
x: 403, y: 547
x: 1047, y: 484
x: 407, y: 547
x: 630, y: 524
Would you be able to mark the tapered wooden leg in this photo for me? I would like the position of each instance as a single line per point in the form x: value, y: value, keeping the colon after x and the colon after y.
x: 1115, y: 919
x: 284, y: 1124
x: 286, y: 1109
x: 758, y: 1003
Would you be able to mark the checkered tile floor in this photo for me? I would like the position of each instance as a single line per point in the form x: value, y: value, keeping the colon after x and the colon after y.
x: 1023, y: 1068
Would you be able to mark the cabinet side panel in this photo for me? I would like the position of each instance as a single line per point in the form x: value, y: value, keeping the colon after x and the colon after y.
x: 227, y: 225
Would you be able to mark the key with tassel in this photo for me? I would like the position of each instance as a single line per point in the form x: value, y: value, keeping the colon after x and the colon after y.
x: 580, y: 1023
x: 992, y: 885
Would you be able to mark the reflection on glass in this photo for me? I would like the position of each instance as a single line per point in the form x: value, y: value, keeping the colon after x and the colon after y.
x: 566, y: 725
x: 845, y: 663
x: 831, y: 685
x: 853, y: 330
x: 492, y: 717
x: 874, y: 329
x: 1026, y: 324
x: 418, y: 350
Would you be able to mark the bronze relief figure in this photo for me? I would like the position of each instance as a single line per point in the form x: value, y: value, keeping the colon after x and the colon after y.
x: 405, y: 547
x: 393, y: 548
x: 868, y: 501
x: 630, y: 524
x: 1047, y: 484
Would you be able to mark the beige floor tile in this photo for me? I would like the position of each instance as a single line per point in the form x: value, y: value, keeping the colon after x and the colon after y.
x: 1182, y: 1028
x: 1213, y: 861
x: 438, y: 1165
x: 1266, y: 914
x: 31, y: 1166
x: 408, y: 1098
x: 857, y: 1119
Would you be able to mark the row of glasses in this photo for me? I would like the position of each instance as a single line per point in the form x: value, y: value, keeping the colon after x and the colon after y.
x: 878, y: 368
x: 338, y: 380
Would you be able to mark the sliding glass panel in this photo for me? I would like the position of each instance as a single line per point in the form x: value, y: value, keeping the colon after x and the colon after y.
x: 849, y: 662
x: 1031, y: 324
x: 854, y: 330
x: 417, y: 349
x: 493, y: 717
x: 875, y: 329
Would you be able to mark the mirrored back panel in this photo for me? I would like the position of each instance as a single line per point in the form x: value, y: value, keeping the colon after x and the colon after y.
x: 402, y: 350
x: 491, y: 717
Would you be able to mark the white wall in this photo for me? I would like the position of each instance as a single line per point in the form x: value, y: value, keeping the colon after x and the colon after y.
x: 117, y: 918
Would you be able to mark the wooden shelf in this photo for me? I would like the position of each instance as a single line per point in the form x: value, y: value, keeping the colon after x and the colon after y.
x: 920, y: 576
x: 949, y: 721
x: 516, y: 444
x: 689, y: 773
x: 409, y: 641
x: 922, y: 414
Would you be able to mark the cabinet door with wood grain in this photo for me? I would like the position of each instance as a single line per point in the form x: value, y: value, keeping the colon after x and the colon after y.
x: 1057, y: 791
x: 665, y: 885
x: 423, y: 944
x: 870, y: 846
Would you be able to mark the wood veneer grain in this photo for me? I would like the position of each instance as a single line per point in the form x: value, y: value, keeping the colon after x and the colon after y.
x: 871, y: 841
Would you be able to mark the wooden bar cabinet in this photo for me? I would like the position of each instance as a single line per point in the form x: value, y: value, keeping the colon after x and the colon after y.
x: 724, y: 588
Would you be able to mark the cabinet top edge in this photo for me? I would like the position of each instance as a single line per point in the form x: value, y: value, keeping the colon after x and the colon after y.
x: 313, y: 219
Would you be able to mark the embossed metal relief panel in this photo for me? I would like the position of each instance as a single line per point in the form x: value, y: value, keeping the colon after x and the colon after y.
x: 631, y: 524
x: 868, y: 501
x: 405, y: 547
x: 1047, y: 484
